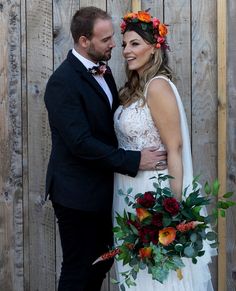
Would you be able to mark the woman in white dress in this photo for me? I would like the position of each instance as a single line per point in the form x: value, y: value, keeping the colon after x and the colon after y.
x: 151, y: 114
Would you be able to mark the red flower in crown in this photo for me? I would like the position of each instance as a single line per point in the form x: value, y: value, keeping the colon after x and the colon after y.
x: 147, y: 23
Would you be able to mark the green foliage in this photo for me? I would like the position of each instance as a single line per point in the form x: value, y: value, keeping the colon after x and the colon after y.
x: 133, y: 234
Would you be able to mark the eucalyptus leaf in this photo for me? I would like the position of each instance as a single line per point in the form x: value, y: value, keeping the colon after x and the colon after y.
x: 214, y: 245
x: 194, y: 260
x: 129, y: 190
x: 211, y: 236
x: 142, y: 265
x: 179, y: 247
x: 126, y: 200
x: 189, y: 252
x: 134, y: 274
x: 113, y: 281
x: 193, y: 237
x: 198, y: 245
x: 120, y: 192
x: 201, y: 253
x: 129, y: 282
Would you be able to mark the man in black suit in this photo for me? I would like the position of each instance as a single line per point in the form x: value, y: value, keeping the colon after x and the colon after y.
x: 85, y: 152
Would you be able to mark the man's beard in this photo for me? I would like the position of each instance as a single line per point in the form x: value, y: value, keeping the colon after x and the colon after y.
x: 96, y: 56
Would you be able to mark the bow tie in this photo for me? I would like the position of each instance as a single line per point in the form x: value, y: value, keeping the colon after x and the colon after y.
x: 99, y: 70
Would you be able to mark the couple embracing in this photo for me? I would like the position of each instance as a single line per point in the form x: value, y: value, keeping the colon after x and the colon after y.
x: 103, y: 140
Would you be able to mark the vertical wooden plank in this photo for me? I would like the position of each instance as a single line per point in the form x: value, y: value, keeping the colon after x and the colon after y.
x: 117, y: 10
x: 204, y: 95
x: 222, y: 133
x: 62, y: 14
x: 178, y: 17
x: 204, y: 87
x: 25, y: 146
x: 231, y: 145
x: 41, y: 218
x: 136, y: 5
x: 11, y: 212
x: 101, y: 4
x: 156, y: 8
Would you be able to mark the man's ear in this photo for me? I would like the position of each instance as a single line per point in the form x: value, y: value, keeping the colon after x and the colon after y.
x: 84, y: 41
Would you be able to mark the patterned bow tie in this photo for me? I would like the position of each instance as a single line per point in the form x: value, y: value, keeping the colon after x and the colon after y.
x: 99, y: 70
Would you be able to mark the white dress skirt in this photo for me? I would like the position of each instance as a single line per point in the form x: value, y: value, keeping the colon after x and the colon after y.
x: 136, y: 130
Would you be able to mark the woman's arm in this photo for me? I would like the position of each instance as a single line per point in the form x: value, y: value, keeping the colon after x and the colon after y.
x: 165, y: 113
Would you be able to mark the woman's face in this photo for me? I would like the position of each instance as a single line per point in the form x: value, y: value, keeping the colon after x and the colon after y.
x: 136, y: 51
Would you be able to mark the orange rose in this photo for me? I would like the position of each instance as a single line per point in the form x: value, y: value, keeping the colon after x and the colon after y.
x: 130, y: 15
x: 167, y: 235
x: 142, y: 213
x: 144, y: 16
x: 145, y: 252
x: 163, y: 30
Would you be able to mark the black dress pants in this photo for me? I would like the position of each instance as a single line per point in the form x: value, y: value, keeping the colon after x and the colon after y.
x: 84, y: 237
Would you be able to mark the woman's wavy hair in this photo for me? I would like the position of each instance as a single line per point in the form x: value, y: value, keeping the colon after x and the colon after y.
x: 133, y: 89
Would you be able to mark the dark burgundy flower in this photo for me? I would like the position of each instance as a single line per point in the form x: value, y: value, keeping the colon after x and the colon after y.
x: 147, y: 200
x: 157, y: 219
x: 148, y: 235
x: 134, y: 223
x: 171, y: 205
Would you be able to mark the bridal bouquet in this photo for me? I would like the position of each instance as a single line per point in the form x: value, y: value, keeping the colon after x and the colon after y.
x: 160, y: 231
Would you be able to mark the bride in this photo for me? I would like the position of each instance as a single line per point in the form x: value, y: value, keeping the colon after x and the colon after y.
x: 151, y: 114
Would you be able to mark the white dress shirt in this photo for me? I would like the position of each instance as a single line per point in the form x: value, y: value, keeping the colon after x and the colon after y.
x: 100, y: 79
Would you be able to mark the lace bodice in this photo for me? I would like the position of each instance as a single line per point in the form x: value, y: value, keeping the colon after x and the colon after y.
x: 135, y: 128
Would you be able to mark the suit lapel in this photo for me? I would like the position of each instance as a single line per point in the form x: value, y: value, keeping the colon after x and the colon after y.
x: 88, y: 77
x: 112, y: 85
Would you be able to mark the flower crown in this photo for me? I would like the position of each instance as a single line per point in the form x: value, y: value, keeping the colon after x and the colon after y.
x: 142, y: 20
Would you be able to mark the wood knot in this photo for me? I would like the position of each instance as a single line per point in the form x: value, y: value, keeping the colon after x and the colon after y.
x: 56, y: 32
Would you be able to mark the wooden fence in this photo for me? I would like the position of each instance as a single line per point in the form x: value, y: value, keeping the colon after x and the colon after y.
x: 34, y: 40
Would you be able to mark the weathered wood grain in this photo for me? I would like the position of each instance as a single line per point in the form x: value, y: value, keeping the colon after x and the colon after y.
x: 204, y: 95
x: 34, y: 40
x: 231, y: 146
x: 62, y: 15
x: 222, y: 134
x: 178, y: 17
x: 11, y: 222
x: 101, y: 4
x: 39, y: 68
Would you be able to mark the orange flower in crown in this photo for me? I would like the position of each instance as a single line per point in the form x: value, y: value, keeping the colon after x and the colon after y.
x: 144, y: 16
x: 148, y: 27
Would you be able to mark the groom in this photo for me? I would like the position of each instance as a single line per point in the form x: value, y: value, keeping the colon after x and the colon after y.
x: 81, y: 101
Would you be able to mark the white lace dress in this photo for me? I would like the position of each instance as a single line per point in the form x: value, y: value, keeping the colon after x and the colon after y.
x: 135, y: 130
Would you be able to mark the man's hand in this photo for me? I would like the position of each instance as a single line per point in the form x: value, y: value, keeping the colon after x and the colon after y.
x: 153, y: 159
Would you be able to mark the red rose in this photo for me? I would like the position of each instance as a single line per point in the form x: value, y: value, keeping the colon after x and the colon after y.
x: 157, y: 219
x: 134, y: 223
x: 171, y: 205
x: 147, y: 200
x: 148, y: 235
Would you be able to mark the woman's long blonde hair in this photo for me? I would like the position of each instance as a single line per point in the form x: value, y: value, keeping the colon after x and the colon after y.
x: 133, y: 89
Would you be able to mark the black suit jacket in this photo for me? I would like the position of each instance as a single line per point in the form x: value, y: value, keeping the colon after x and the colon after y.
x: 84, y: 153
